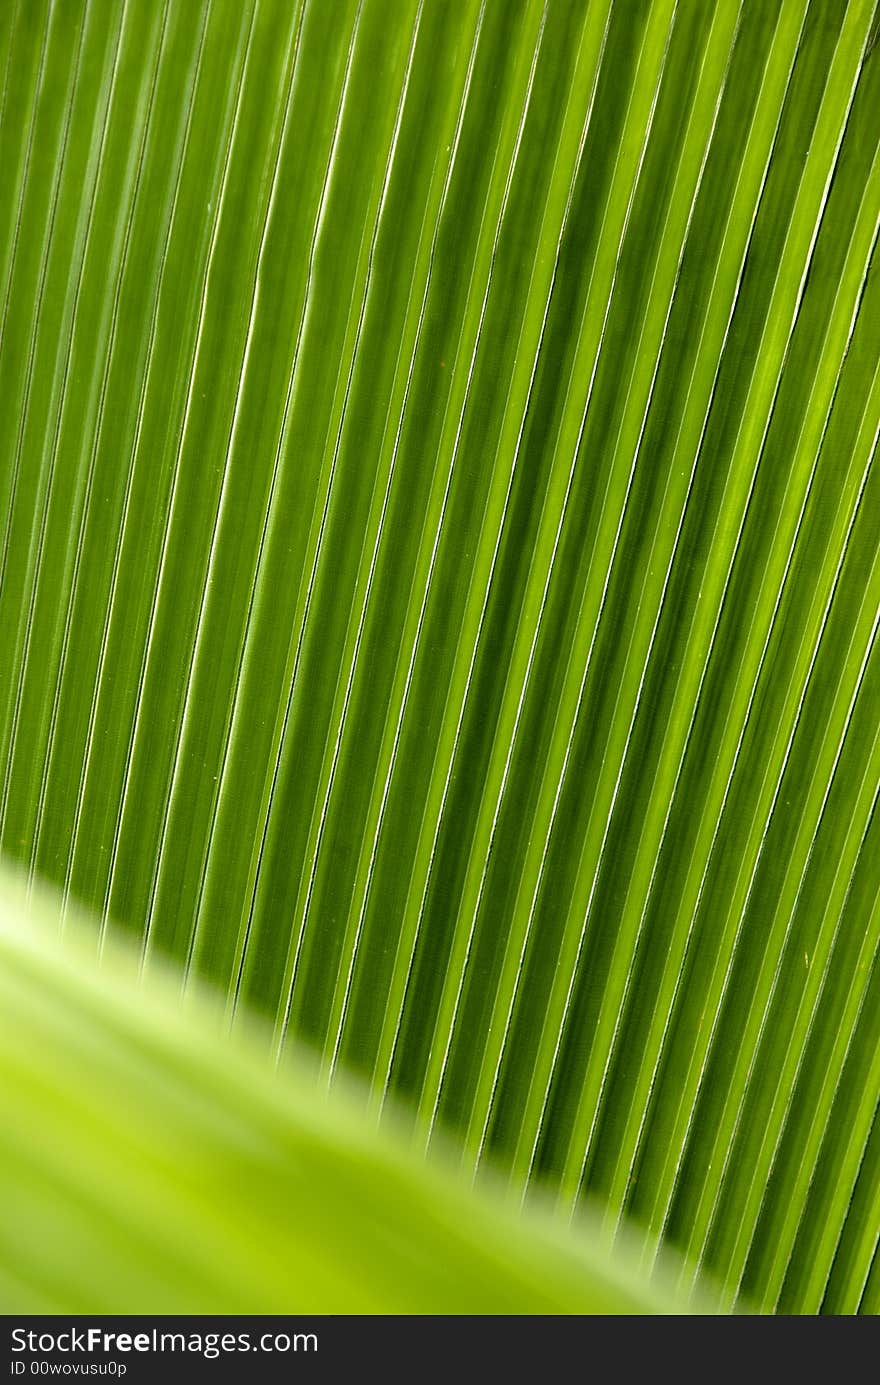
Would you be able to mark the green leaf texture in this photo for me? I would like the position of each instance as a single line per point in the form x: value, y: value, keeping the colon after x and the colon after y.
x: 151, y: 1165
x: 438, y: 506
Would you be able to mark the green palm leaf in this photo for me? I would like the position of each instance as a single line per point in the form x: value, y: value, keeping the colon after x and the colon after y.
x: 439, y: 574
